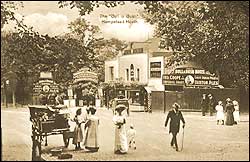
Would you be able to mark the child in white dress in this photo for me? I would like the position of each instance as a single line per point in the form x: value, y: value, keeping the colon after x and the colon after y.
x: 220, y: 113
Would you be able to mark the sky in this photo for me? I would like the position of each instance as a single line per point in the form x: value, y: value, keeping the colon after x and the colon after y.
x: 122, y: 22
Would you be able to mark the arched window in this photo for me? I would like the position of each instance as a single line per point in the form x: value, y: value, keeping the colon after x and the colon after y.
x: 132, y: 73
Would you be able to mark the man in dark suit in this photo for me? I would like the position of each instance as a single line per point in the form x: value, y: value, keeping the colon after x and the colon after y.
x: 204, y: 104
x: 211, y: 104
x: 175, y: 116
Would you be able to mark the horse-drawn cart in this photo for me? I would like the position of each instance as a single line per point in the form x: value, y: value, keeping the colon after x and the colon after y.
x: 48, y: 120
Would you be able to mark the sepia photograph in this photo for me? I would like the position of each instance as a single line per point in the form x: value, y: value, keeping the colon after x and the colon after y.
x: 124, y: 80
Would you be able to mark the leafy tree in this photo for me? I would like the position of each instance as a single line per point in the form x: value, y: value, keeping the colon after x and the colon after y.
x: 85, y: 7
x: 211, y: 33
x: 7, y: 11
x: 100, y: 49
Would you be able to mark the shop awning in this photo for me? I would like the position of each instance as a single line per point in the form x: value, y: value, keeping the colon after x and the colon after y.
x: 149, y: 89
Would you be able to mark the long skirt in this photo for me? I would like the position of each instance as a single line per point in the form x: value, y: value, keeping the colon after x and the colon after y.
x: 91, y: 139
x: 78, y: 134
x: 229, y: 118
x: 121, y: 143
x: 236, y: 115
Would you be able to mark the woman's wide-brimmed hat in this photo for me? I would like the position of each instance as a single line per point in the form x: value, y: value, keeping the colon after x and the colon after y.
x: 120, y: 108
x: 78, y: 111
x: 92, y: 109
x: 176, y: 105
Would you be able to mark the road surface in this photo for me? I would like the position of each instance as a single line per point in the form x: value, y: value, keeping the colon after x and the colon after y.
x: 204, y: 140
x: 16, y: 135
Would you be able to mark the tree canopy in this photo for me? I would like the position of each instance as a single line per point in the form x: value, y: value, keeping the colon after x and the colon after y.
x: 27, y: 53
x: 213, y: 33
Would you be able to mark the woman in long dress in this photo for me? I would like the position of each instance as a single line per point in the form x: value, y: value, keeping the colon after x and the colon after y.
x: 220, y: 113
x: 229, y: 112
x: 92, y: 140
x: 236, y: 112
x: 121, y: 145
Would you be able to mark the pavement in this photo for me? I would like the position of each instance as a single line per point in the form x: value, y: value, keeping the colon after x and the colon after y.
x: 203, y: 139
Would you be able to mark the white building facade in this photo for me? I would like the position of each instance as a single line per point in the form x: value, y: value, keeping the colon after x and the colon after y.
x: 143, y: 63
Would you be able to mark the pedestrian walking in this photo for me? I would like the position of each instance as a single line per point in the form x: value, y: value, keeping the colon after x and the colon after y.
x: 131, y: 136
x: 220, y: 113
x: 236, y: 112
x: 211, y: 104
x: 92, y: 140
x: 204, y: 104
x: 121, y: 145
x: 78, y: 132
x: 174, y: 116
x: 229, y: 112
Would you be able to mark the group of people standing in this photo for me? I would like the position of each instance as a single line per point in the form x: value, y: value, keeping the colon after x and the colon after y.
x: 207, y: 104
x: 86, y: 129
x: 228, y: 115
x: 232, y: 112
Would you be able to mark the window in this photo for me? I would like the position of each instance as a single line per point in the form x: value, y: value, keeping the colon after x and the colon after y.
x: 126, y: 52
x: 155, y: 69
x: 127, y: 74
x: 138, y: 50
x: 111, y: 69
x: 138, y: 74
x: 132, y: 73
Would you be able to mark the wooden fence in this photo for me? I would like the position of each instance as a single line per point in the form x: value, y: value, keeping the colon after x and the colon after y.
x: 190, y: 98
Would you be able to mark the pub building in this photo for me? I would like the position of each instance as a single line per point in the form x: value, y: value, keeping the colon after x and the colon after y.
x: 141, y: 64
x: 144, y: 63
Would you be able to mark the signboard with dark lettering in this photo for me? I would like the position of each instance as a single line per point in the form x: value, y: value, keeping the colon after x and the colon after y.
x: 190, y: 77
x: 46, y: 87
x: 45, y: 84
x: 85, y: 75
x: 155, y: 69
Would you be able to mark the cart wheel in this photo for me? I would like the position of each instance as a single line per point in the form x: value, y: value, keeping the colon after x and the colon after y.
x: 65, y: 139
x: 36, y: 152
x: 46, y: 140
